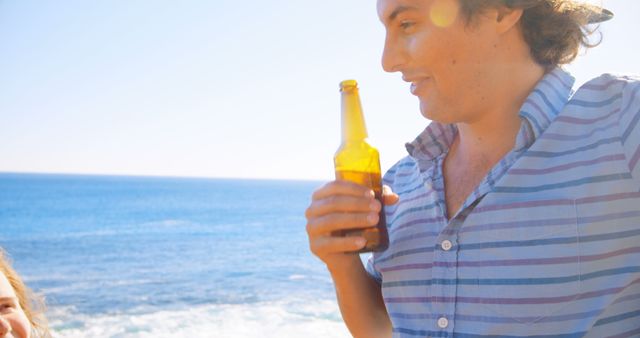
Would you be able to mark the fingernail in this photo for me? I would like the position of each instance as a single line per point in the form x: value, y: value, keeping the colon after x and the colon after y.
x: 360, y: 242
x: 370, y: 194
x: 374, y: 205
x: 372, y: 218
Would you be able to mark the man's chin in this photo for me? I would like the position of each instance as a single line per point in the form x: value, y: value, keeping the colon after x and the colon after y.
x: 425, y: 110
x: 429, y: 113
x: 437, y: 115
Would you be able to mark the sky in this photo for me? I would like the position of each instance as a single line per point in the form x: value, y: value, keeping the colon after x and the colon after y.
x: 222, y: 88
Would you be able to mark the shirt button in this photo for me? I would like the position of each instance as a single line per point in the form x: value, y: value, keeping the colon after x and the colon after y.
x: 446, y: 245
x: 443, y: 322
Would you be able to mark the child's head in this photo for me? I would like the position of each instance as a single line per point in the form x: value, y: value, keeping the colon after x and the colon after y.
x: 20, y: 311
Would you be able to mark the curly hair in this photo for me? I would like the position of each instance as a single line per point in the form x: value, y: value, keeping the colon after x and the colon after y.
x: 32, y: 305
x: 555, y: 30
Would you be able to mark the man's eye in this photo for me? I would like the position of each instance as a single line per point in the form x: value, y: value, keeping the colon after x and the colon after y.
x: 406, y: 24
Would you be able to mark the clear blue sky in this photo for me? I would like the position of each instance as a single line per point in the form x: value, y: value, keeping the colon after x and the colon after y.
x: 217, y: 88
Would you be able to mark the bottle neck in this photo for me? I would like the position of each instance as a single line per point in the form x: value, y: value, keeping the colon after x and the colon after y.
x: 353, y: 126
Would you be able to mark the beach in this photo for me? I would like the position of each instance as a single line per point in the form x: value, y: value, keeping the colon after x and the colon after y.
x: 123, y: 256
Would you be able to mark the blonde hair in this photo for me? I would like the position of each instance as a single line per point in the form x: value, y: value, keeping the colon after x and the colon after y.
x: 32, y: 305
x: 555, y: 30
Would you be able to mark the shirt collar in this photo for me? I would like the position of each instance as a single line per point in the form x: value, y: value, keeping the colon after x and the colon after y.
x: 547, y: 100
x: 541, y: 107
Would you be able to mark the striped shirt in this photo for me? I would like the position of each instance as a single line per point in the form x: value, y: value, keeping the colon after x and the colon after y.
x: 548, y: 244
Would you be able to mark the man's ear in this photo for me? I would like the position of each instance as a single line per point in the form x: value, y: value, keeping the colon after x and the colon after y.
x: 506, y: 18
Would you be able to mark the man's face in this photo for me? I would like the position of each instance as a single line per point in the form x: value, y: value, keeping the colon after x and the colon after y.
x: 446, y: 61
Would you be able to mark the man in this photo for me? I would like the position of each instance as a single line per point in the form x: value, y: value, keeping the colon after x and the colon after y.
x: 517, y: 211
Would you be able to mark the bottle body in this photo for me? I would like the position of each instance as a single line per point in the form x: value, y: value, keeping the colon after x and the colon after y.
x: 359, y: 162
x: 377, y: 237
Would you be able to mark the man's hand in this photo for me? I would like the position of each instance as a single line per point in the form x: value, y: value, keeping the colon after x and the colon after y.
x: 342, y: 205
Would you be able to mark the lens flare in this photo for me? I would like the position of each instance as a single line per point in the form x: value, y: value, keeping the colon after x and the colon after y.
x: 444, y: 12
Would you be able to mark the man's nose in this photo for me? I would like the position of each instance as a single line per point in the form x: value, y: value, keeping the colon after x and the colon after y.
x: 394, y: 55
x: 5, y: 327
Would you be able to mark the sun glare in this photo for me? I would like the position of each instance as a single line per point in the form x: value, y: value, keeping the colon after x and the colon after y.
x: 444, y: 12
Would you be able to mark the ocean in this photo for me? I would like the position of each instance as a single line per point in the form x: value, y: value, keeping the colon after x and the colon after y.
x: 123, y: 256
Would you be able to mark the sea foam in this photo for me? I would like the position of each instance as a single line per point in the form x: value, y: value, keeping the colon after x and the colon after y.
x: 265, y: 320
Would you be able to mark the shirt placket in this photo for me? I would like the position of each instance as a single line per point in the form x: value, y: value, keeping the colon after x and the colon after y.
x: 444, y: 289
x: 444, y: 269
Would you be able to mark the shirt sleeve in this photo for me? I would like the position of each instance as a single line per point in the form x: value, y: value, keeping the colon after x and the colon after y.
x: 630, y: 126
x: 370, y: 267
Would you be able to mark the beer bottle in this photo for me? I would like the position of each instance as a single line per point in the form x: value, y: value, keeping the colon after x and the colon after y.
x: 357, y: 161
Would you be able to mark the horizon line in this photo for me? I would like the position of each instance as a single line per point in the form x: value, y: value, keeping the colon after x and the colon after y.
x: 127, y: 175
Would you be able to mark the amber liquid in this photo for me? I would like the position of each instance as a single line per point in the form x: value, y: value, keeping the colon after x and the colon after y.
x: 377, y: 237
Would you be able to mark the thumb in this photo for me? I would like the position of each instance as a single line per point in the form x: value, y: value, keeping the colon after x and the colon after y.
x: 388, y: 196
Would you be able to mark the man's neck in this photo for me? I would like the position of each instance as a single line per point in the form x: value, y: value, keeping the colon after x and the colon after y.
x: 493, y: 133
x: 483, y: 141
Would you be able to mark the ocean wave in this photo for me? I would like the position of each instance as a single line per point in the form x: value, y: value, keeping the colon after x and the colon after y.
x: 292, y: 319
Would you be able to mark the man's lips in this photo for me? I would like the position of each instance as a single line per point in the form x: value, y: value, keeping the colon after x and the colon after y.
x: 416, y: 84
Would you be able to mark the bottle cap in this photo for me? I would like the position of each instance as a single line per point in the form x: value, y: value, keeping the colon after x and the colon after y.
x: 348, y: 83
